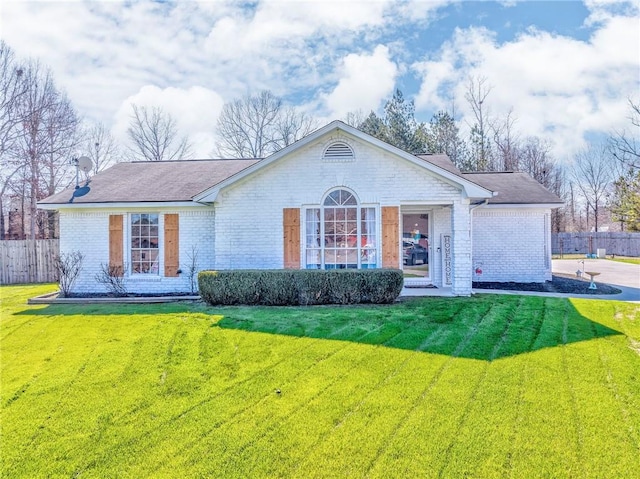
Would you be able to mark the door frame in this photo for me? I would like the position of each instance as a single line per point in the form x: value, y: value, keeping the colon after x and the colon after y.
x: 418, y: 210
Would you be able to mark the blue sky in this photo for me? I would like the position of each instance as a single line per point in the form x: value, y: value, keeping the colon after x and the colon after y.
x: 564, y: 69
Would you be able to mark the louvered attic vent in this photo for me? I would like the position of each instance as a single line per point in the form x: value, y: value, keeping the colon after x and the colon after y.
x: 337, y: 152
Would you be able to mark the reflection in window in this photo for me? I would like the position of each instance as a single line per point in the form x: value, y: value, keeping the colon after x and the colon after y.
x: 144, y: 243
x: 340, y: 235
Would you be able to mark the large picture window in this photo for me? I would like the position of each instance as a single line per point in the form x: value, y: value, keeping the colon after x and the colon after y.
x: 340, y: 234
x: 144, y: 243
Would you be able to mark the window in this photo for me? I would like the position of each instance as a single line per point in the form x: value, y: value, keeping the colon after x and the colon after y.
x: 144, y: 243
x: 340, y: 234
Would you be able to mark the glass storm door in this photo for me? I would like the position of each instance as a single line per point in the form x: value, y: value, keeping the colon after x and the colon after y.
x: 415, y: 246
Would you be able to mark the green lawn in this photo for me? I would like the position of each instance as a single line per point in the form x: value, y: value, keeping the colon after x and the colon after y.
x: 489, y: 386
x: 621, y: 259
x: 626, y: 259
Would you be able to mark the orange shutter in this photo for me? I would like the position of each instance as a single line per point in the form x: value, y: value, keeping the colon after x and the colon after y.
x: 390, y: 237
x: 291, y: 224
x: 171, y: 245
x: 116, y: 262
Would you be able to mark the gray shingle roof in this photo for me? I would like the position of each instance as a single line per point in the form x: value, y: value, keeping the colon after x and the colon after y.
x: 443, y: 161
x: 154, y: 181
x: 514, y: 188
x: 169, y: 181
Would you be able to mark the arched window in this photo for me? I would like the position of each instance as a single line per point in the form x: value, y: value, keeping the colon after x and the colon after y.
x: 340, y: 233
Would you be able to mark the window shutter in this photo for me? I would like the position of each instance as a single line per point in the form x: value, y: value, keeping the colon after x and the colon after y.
x: 390, y: 237
x: 291, y: 224
x: 116, y: 263
x: 171, y: 245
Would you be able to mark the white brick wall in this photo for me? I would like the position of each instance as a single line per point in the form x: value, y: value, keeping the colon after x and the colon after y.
x: 461, y: 225
x: 512, y: 245
x: 249, y: 214
x: 88, y: 232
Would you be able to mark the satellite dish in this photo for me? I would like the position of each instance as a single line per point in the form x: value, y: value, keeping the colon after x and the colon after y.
x: 83, y: 190
x: 85, y: 164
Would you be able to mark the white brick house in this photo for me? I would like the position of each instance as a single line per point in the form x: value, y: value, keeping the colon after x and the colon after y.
x: 338, y: 198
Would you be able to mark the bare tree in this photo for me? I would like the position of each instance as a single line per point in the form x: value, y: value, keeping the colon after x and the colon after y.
x: 355, y: 118
x: 101, y: 147
x: 476, y: 96
x: 12, y: 88
x: 154, y: 136
x: 506, y: 140
x: 49, y: 133
x: 246, y: 126
x: 292, y: 125
x: 255, y: 126
x: 592, y: 176
x: 625, y: 145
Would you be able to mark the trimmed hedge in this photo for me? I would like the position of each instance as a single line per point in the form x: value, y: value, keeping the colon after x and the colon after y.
x: 285, y: 287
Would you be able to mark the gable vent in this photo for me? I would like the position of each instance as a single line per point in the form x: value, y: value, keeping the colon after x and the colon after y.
x: 338, y: 152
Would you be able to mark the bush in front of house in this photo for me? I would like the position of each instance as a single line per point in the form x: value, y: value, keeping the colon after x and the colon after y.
x: 300, y: 287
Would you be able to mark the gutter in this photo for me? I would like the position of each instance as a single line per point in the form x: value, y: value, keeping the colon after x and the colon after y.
x: 482, y: 203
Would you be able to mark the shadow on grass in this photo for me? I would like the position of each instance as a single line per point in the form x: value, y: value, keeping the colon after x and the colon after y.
x: 482, y: 327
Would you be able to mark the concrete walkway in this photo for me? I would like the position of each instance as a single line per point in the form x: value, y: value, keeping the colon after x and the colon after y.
x: 623, y: 276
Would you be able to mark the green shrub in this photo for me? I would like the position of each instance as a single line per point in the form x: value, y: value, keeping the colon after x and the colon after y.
x: 300, y: 287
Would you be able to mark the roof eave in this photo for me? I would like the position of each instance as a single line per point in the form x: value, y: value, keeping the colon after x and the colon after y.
x: 525, y: 205
x: 120, y: 204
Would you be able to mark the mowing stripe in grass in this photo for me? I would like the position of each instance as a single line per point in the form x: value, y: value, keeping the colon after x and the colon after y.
x: 504, y: 318
x: 282, y: 430
x: 195, y: 413
x: 405, y: 381
x: 435, y: 382
x: 263, y: 426
x: 316, y: 406
x: 296, y: 393
x: 596, y: 405
x: 546, y: 438
x: 214, y: 407
x: 622, y: 368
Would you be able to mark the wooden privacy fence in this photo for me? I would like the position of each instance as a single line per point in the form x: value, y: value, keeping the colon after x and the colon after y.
x: 28, y: 261
x: 620, y: 244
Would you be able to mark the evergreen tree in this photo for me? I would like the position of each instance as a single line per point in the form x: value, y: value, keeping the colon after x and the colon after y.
x: 398, y: 127
x: 625, y: 201
x: 442, y: 136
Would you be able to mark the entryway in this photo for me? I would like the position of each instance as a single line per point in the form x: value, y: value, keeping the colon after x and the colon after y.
x: 416, y: 250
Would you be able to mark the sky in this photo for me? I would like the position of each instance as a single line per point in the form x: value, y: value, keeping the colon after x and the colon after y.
x: 565, y: 70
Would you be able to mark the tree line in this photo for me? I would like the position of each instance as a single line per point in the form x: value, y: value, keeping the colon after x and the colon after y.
x: 41, y: 132
x: 601, y: 184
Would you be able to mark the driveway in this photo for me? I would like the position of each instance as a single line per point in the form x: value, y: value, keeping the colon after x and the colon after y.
x: 621, y: 275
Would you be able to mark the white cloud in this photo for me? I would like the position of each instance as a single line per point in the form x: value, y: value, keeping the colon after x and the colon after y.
x: 365, y: 80
x: 560, y: 88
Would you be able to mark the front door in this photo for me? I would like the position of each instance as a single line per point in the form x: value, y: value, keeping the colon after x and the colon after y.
x: 416, y: 247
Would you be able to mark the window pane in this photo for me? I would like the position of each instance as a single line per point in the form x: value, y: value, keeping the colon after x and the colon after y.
x: 144, y: 243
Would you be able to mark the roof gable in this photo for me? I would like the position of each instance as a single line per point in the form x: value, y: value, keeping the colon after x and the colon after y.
x: 448, y: 173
